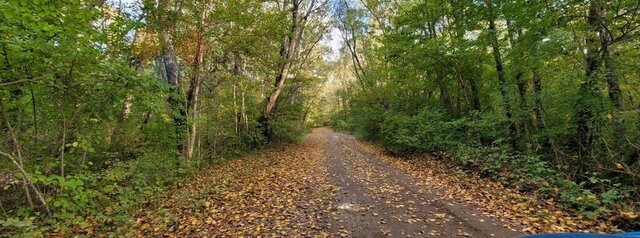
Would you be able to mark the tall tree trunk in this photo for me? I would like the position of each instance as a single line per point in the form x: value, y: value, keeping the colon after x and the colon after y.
x: 537, y: 99
x: 611, y: 75
x: 588, y: 96
x: 475, y: 95
x: 502, y: 80
x: 175, y: 101
x: 236, y: 113
x: 545, y: 141
x: 136, y: 63
x: 287, y: 52
x: 244, y: 113
x: 193, y: 98
x: 163, y: 14
x: 351, y: 40
x: 445, y: 97
x: 237, y: 71
x: 525, y: 122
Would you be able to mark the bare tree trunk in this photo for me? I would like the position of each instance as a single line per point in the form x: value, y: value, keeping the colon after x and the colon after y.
x: 237, y: 71
x: 243, y: 108
x: 236, y: 113
x: 280, y: 80
x: 193, y: 97
x: 35, y: 113
x: 244, y: 114
x: 170, y: 61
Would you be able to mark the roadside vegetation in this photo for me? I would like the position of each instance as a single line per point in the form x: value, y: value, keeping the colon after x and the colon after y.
x: 107, y: 105
x: 541, y: 95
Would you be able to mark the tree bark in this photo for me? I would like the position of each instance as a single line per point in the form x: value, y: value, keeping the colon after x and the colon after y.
x: 611, y: 76
x: 237, y: 71
x: 286, y: 53
x: 537, y: 99
x: 524, y: 121
x: 587, y: 95
x: 524, y: 109
x: 445, y: 97
x: 175, y: 101
x: 502, y: 80
x: 193, y: 98
x: 475, y: 95
x: 244, y: 112
x: 350, y: 39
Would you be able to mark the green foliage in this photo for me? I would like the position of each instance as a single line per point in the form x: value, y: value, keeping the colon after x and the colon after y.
x: 26, y: 227
x: 71, y: 199
x: 98, y: 128
x: 338, y: 123
x: 516, y: 103
x: 425, y: 132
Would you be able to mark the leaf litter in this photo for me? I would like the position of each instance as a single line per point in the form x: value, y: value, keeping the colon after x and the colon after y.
x: 278, y: 192
x: 523, y: 212
x: 295, y: 190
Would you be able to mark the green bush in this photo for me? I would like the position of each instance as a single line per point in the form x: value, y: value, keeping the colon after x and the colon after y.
x: 425, y: 132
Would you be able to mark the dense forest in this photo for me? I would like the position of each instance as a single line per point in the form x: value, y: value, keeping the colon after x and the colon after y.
x: 543, y: 94
x: 107, y: 105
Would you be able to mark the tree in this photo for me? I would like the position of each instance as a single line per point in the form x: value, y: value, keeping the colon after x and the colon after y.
x: 300, y: 11
x: 502, y: 80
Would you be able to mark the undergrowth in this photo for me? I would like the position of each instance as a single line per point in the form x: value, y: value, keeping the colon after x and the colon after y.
x: 468, y: 144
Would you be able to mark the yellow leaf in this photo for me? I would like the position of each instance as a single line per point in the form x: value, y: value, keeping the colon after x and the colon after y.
x: 619, y: 166
x: 629, y: 215
x: 194, y: 221
x: 207, y: 204
x: 74, y: 144
x: 610, y: 116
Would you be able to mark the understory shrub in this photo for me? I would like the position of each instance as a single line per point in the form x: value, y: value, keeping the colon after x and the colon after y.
x: 425, y: 132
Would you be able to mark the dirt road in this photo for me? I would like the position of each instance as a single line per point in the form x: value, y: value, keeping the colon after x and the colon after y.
x: 328, y: 186
x: 374, y: 199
